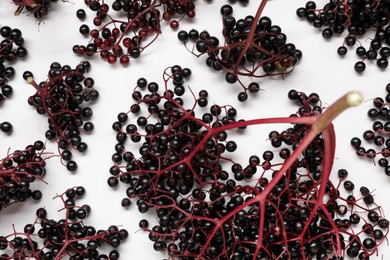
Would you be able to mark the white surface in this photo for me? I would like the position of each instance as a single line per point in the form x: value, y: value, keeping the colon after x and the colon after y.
x: 321, y: 71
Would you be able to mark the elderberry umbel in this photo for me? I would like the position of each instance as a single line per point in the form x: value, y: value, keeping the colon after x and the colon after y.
x: 166, y: 132
x: 354, y: 19
x: 124, y: 30
x: 65, y: 98
x: 18, y: 171
x: 66, y: 238
x: 177, y: 159
x: 39, y: 8
x: 376, y: 146
x: 252, y: 47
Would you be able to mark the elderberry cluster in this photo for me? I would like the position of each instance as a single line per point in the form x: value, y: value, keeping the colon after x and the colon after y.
x: 39, y: 8
x: 356, y: 240
x: 137, y: 26
x: 357, y: 17
x: 69, y: 237
x: 18, y: 171
x: 181, y: 166
x: 65, y: 98
x: 11, y: 48
x: 113, y: 43
x: 169, y: 133
x: 251, y: 48
x: 378, y: 137
x: 312, y: 157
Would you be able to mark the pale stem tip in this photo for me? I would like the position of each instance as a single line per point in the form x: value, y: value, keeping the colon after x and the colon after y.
x: 354, y: 98
x: 30, y: 80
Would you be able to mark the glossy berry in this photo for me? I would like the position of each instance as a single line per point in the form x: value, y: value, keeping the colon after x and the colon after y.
x: 6, y: 127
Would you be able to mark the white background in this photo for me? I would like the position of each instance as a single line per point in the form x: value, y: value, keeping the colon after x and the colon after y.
x: 321, y: 70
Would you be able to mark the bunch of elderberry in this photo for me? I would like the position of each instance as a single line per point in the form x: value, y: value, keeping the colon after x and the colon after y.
x: 38, y: 8
x: 378, y: 137
x: 164, y: 134
x: 357, y: 18
x: 312, y: 157
x: 178, y: 164
x: 65, y: 98
x: 137, y: 25
x: 300, y: 183
x: 123, y: 38
x: 18, y: 171
x: 69, y: 237
x: 252, y: 47
x: 11, y: 48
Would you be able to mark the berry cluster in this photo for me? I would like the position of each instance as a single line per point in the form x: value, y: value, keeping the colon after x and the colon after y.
x: 70, y: 237
x: 357, y: 17
x: 64, y: 97
x: 39, y: 8
x: 379, y: 134
x: 137, y: 26
x: 209, y: 206
x: 252, y: 47
x: 18, y: 170
x: 11, y: 48
x: 180, y: 8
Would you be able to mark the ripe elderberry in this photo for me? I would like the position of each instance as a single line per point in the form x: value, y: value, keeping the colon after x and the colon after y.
x: 64, y: 98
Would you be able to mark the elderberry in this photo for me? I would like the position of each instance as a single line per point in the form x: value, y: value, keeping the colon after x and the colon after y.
x: 6, y: 127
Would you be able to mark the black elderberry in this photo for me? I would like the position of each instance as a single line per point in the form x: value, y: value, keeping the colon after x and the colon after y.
x: 6, y: 127
x: 193, y: 34
x: 342, y: 51
x: 382, y: 63
x: 371, y: 54
x: 342, y: 173
x: 242, y: 96
x: 84, y: 29
x: 182, y: 35
x: 360, y: 51
x: 301, y: 12
x: 71, y: 166
x: 327, y: 33
x: 80, y: 13
x: 360, y: 66
x: 385, y: 52
x: 349, y: 186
